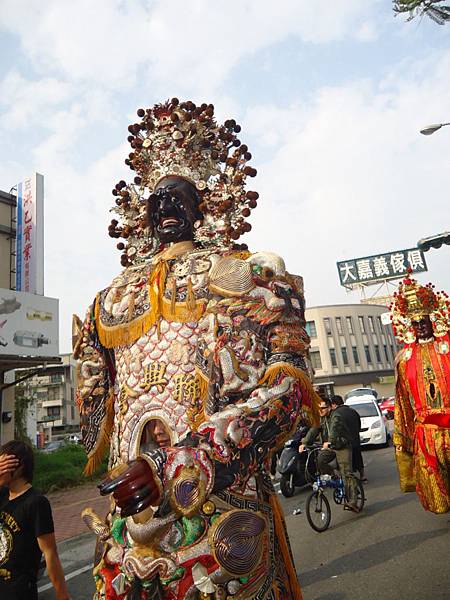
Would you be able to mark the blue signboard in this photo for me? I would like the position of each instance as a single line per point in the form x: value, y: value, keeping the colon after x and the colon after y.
x: 19, y: 237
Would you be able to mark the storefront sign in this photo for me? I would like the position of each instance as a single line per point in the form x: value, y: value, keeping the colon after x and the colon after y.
x: 28, y: 324
x: 379, y: 268
x: 30, y: 235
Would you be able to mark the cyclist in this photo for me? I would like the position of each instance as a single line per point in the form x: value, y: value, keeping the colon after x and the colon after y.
x: 336, y: 444
x: 352, y: 421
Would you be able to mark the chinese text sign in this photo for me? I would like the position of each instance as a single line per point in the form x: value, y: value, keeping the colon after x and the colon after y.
x: 373, y: 269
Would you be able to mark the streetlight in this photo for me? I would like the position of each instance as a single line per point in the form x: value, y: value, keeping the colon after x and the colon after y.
x: 432, y: 128
x: 434, y: 241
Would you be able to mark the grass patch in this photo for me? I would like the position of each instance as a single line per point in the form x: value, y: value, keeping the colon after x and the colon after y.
x: 63, y: 468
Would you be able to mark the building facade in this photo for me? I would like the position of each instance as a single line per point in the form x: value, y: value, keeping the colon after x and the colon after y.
x: 351, y: 347
x: 7, y: 241
x: 54, y: 400
x: 19, y: 355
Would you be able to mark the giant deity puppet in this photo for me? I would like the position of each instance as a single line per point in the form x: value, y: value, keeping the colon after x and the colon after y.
x: 421, y: 320
x: 192, y: 371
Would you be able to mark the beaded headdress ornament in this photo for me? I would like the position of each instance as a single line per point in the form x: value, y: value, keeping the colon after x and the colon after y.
x: 412, y: 302
x: 185, y: 140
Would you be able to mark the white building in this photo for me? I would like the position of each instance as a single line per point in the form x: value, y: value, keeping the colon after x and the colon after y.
x: 351, y: 347
x: 54, y: 395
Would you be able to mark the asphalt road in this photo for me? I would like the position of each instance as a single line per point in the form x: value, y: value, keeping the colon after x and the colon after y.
x: 393, y: 550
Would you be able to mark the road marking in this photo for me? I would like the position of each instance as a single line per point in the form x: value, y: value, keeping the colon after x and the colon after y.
x: 48, y: 586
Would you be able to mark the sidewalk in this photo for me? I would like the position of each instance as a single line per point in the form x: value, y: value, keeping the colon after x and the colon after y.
x: 67, y: 506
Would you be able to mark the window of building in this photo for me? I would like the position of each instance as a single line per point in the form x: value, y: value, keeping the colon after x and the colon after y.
x: 377, y: 353
x: 344, y: 355
x: 362, y: 324
x: 380, y: 324
x: 392, y: 349
x: 327, y: 325
x: 52, y: 393
x: 355, y: 355
x: 371, y: 325
x: 311, y: 329
x: 316, y: 361
x: 386, y: 353
x: 333, y: 357
x: 367, y: 351
x: 350, y: 324
x: 56, y: 378
x: 72, y: 412
x: 339, y: 325
x: 54, y: 411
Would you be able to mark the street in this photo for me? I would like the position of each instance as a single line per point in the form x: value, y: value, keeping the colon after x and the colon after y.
x: 393, y: 550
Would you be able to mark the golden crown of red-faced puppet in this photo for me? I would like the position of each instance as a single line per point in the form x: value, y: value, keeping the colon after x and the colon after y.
x: 184, y: 139
x: 413, y: 302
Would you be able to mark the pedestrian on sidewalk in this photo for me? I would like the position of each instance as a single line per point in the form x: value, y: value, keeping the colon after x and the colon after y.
x: 352, y: 421
x: 26, y: 528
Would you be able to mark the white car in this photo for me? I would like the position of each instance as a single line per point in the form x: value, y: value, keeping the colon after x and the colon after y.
x: 358, y: 392
x: 373, y: 428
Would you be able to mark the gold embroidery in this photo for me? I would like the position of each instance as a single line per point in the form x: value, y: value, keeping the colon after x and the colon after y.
x: 173, y: 295
x: 431, y: 387
x: 187, y: 389
x: 123, y: 401
x: 154, y: 375
x: 121, y: 334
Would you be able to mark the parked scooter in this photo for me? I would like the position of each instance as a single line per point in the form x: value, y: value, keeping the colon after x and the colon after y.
x: 292, y: 464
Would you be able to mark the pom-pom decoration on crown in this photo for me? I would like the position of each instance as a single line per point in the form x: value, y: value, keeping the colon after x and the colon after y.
x: 185, y: 140
x: 412, y: 302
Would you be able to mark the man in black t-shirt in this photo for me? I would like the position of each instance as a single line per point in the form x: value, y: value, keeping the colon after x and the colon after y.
x: 26, y: 529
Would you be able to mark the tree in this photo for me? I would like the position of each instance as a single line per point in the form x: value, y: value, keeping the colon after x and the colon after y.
x: 435, y: 9
x: 23, y: 399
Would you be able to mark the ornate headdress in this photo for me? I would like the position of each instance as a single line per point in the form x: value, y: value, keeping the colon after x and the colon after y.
x: 184, y: 139
x: 412, y: 302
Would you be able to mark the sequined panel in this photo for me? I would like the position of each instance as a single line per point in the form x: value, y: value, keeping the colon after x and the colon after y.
x: 150, y: 371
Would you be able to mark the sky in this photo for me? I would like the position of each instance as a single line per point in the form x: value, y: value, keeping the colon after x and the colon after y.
x: 331, y: 97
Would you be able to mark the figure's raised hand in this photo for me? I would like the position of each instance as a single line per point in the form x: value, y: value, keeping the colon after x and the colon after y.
x: 133, y: 489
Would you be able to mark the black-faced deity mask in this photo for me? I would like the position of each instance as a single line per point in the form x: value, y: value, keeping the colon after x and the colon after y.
x: 172, y: 210
x: 423, y: 328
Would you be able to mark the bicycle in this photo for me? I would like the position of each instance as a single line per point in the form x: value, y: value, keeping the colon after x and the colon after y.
x: 318, y: 509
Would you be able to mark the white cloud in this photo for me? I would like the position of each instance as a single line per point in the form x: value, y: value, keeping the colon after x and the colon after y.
x: 352, y: 175
x: 80, y: 257
x: 367, y: 32
x: 26, y: 101
x: 188, y: 46
x: 345, y: 173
